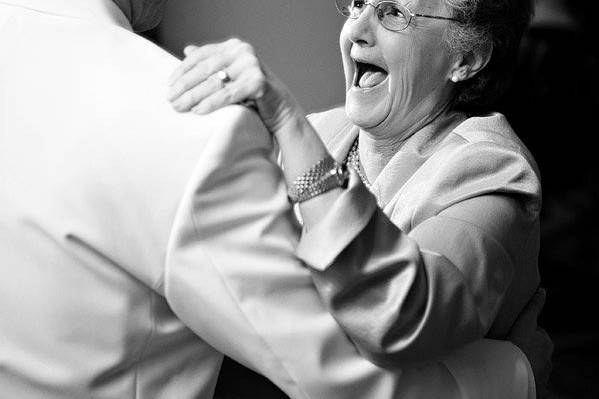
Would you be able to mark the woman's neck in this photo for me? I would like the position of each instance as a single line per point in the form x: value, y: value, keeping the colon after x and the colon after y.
x: 376, y: 152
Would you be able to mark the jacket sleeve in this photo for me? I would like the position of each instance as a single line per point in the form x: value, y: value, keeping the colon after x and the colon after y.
x: 407, y: 297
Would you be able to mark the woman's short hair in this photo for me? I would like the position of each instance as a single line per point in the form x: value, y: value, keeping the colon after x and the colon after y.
x: 499, y: 23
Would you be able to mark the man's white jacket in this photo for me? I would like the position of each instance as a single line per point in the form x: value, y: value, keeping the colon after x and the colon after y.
x: 138, y: 245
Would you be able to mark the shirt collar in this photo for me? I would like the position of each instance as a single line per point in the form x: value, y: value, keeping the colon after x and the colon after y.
x: 103, y: 11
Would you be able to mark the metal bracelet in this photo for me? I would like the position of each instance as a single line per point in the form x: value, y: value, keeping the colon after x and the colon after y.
x: 323, y: 176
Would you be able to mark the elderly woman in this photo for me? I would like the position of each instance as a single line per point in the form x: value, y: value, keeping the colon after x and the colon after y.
x: 420, y: 208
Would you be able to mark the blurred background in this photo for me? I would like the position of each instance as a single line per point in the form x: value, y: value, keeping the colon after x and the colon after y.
x: 298, y: 40
x: 553, y: 105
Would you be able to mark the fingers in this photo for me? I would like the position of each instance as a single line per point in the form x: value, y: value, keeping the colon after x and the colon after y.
x: 539, y: 298
x: 193, y: 96
x: 537, y: 302
x: 245, y: 83
x: 196, y: 81
x: 196, y: 85
x: 546, y: 341
x: 233, y: 93
x: 539, y: 354
x: 193, y: 55
x: 533, y: 340
x: 199, y: 66
x: 535, y: 305
x: 189, y: 49
x: 217, y: 100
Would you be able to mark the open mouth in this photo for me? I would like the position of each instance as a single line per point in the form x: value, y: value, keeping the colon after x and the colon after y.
x: 368, y: 75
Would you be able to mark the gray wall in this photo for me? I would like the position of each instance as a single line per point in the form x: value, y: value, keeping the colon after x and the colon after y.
x: 298, y: 39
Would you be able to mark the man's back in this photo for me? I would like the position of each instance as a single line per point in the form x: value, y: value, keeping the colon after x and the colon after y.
x: 93, y: 163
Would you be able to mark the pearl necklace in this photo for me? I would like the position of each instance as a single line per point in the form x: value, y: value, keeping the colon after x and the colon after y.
x: 353, y: 161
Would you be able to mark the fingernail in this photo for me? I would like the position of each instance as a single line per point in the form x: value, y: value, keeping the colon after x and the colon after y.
x: 199, y: 109
x: 188, y: 49
x: 178, y: 105
x: 172, y: 93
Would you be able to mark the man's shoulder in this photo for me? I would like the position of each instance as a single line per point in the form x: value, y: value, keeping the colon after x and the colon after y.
x: 131, y: 55
x: 139, y: 51
x: 127, y: 74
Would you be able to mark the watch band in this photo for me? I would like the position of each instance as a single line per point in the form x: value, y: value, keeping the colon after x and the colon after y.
x: 323, y: 176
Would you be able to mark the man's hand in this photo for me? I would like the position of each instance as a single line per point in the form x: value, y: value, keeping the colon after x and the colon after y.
x: 534, y: 341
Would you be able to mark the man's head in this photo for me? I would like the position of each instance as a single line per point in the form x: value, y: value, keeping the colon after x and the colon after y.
x: 143, y: 14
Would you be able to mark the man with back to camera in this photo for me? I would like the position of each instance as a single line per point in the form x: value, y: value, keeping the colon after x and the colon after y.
x: 139, y: 244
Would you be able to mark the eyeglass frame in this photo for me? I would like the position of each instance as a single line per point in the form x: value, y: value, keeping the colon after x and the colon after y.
x: 376, y: 8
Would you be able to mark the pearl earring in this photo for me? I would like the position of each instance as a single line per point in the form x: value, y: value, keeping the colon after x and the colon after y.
x: 455, y: 78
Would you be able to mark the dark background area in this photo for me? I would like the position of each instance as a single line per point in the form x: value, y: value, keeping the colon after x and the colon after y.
x: 553, y: 104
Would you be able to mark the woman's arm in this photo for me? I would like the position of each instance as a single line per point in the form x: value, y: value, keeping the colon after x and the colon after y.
x: 400, y: 297
x: 411, y: 297
x: 412, y: 294
x: 195, y: 87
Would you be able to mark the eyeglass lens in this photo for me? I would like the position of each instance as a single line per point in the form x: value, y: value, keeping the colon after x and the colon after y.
x: 392, y: 15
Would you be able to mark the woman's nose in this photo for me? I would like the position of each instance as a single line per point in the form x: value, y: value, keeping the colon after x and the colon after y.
x: 361, y: 30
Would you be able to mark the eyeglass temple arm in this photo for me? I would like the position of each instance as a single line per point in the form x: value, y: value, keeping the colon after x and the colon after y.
x: 435, y: 17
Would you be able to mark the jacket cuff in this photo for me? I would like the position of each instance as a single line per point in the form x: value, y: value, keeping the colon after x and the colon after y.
x: 347, y: 217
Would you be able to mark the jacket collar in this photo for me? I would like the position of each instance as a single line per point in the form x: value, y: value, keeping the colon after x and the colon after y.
x: 102, y: 11
x: 415, y: 151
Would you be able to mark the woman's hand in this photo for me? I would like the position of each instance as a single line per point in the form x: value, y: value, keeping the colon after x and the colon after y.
x: 534, y: 341
x: 216, y: 75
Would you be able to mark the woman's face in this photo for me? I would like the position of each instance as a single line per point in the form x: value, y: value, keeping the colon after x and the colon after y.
x: 394, y: 80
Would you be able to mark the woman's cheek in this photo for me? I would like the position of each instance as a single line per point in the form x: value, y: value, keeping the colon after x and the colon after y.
x: 400, y: 93
x: 409, y: 77
x: 348, y: 66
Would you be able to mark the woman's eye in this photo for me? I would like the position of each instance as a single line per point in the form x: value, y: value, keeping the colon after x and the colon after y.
x: 357, y: 3
x: 392, y: 11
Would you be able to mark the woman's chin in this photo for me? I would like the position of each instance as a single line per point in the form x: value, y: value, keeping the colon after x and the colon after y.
x: 365, y: 111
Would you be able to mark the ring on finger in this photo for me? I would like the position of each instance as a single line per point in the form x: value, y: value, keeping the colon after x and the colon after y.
x: 223, y: 76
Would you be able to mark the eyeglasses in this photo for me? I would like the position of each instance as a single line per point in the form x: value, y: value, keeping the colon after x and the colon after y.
x: 391, y: 14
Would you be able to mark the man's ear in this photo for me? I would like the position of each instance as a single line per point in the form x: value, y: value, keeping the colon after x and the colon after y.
x: 469, y: 64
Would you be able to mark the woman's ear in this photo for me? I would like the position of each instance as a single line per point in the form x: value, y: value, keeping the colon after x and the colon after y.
x: 469, y: 64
